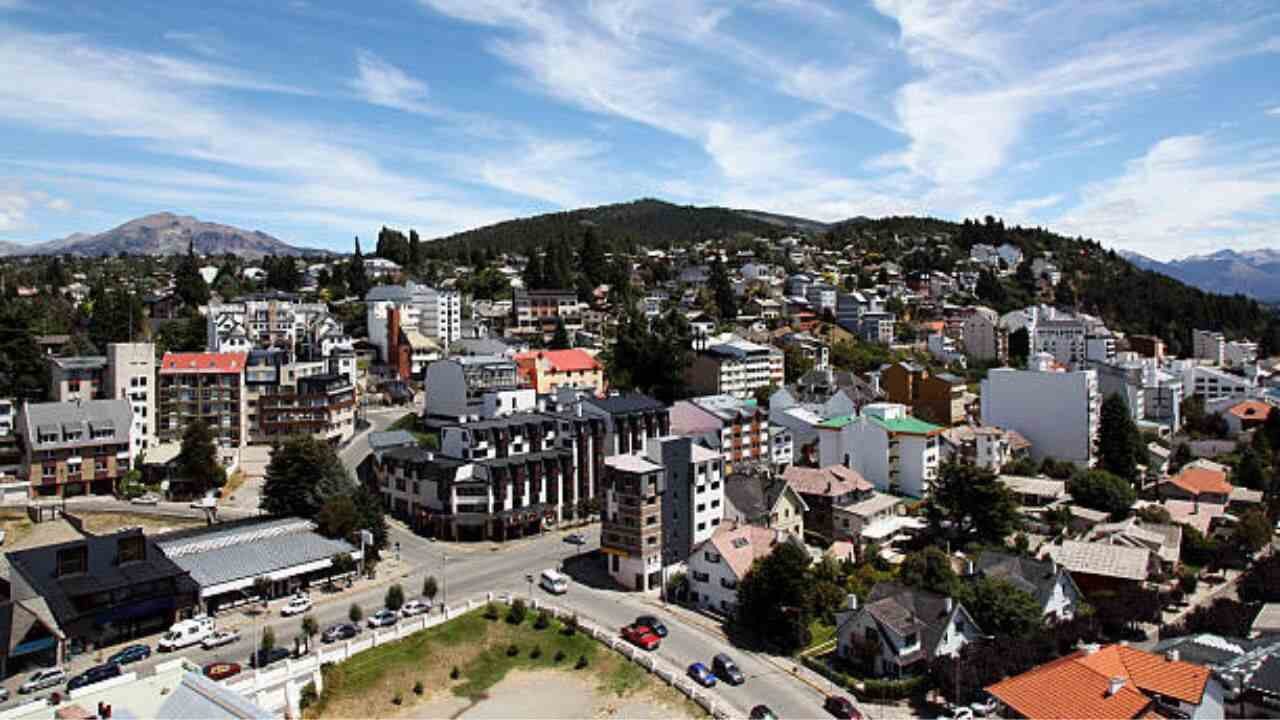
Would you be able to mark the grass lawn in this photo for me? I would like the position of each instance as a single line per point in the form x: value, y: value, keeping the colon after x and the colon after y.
x: 820, y: 632
x: 409, y: 423
x: 233, y: 483
x: 103, y: 523
x: 366, y: 685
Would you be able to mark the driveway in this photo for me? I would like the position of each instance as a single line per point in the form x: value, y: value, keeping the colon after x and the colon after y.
x: 253, y: 463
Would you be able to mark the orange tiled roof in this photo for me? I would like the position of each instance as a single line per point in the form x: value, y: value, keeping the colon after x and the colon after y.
x: 1250, y: 410
x: 1198, y: 481
x: 202, y: 362
x: 1077, y: 685
x: 572, y: 360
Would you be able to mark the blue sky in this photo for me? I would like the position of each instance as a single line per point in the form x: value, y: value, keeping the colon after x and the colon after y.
x: 1152, y: 126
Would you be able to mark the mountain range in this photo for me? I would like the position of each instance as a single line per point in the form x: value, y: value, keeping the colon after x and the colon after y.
x: 1255, y: 273
x: 164, y: 234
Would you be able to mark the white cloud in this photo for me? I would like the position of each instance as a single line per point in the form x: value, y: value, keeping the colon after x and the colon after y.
x: 209, y: 43
x: 13, y: 209
x: 1186, y: 194
x: 1275, y: 111
x: 58, y: 204
x: 381, y: 83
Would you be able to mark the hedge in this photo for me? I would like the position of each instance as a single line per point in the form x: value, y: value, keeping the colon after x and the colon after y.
x: 871, y: 689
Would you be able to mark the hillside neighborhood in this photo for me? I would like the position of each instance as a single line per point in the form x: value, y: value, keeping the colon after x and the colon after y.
x: 924, y: 470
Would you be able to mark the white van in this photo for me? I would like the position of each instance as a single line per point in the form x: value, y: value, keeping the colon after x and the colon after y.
x: 554, y: 582
x: 186, y: 633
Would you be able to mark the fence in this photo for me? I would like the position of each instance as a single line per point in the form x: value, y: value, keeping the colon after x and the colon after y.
x: 277, y: 689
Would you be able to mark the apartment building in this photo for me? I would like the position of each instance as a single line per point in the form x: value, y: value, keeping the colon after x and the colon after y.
x: 274, y: 320
x: 738, y: 429
x: 77, y: 378
x: 435, y: 313
x: 809, y: 347
x: 131, y: 374
x: 548, y: 370
x: 937, y: 398
x: 204, y: 386
x: 730, y: 365
x: 875, y: 327
x: 322, y: 406
x: 1240, y: 353
x: 984, y: 338
x: 1215, y: 384
x: 75, y: 448
x: 896, y: 452
x: 1057, y: 410
x: 693, y: 496
x: 631, y: 530
x: 1209, y: 345
x: 474, y: 386
x: 537, y: 312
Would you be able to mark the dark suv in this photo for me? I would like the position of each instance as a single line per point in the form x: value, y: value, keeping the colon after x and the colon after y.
x: 98, y: 673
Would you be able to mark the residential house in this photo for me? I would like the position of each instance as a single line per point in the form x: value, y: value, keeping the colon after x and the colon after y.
x: 718, y: 565
x: 1049, y: 583
x: 900, y: 630
x: 1246, y: 415
x: 1104, y: 566
x: 547, y: 370
x: 1163, y: 540
x: 1116, y: 681
x: 823, y: 490
x: 1197, y: 484
x: 764, y: 498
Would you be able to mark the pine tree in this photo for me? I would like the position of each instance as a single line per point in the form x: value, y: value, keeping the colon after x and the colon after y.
x: 415, y: 250
x: 302, y: 475
x: 534, y: 276
x: 722, y: 291
x: 1119, y: 443
x: 560, y: 340
x: 198, y: 458
x: 357, y: 278
x: 188, y: 283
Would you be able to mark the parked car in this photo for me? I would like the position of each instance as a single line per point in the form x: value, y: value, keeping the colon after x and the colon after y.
x: 576, y: 539
x: 985, y: 706
x: 702, y: 675
x: 262, y: 658
x: 41, y: 679
x: 130, y: 654
x: 726, y: 669
x: 146, y: 499
x: 763, y: 712
x: 641, y: 636
x: 841, y: 707
x: 221, y: 670
x: 341, y: 631
x: 220, y: 638
x: 383, y: 618
x: 653, y: 624
x: 4, y: 694
x: 95, y: 674
x: 297, y: 605
x: 415, y: 607
x: 960, y: 713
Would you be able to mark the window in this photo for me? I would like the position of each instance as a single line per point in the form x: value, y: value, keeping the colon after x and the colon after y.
x: 909, y: 639
x: 702, y: 526
x: 651, y: 541
x: 697, y: 576
x: 73, y: 560
x: 870, y: 636
x: 131, y: 549
x: 711, y: 557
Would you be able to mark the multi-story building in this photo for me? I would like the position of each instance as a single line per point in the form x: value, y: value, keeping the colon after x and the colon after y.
x: 203, y: 386
x: 631, y: 531
x: 937, y: 398
x: 538, y: 312
x: 896, y: 452
x: 1215, y: 384
x: 8, y: 415
x: 737, y: 428
x: 75, y: 448
x: 1058, y: 411
x: 984, y: 338
x: 475, y: 386
x: 822, y: 297
x: 734, y: 366
x: 876, y: 327
x: 275, y: 320
x: 1240, y: 353
x: 437, y: 314
x: 131, y: 374
x: 77, y: 378
x: 693, y: 495
x: 1208, y: 345
x: 322, y: 406
x: 809, y: 347
x: 549, y: 370
x: 821, y: 491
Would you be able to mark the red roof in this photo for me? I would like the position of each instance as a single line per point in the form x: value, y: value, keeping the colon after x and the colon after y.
x: 1250, y: 410
x: 178, y: 363
x: 572, y: 360
x: 1199, y: 481
x: 832, y: 481
x: 1079, y: 685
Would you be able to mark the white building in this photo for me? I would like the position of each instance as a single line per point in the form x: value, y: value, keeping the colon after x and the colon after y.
x: 907, y: 627
x: 475, y: 386
x: 437, y: 314
x: 1208, y: 345
x: 984, y: 338
x: 8, y: 411
x: 781, y: 446
x: 896, y: 452
x: 692, y: 498
x: 277, y: 320
x: 1056, y: 410
x: 730, y: 365
x: 1073, y: 339
x: 131, y: 374
x: 1214, y: 384
x: 1240, y: 353
x: 719, y: 564
x: 944, y: 349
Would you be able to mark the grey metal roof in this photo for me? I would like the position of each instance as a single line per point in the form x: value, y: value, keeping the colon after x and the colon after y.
x: 627, y: 403
x: 48, y: 416
x: 199, y: 698
x: 250, y: 550
x: 390, y: 439
x: 398, y: 293
x: 85, y: 362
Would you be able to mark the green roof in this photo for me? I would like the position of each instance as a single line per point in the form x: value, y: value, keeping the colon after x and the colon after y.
x: 906, y: 424
x: 836, y: 422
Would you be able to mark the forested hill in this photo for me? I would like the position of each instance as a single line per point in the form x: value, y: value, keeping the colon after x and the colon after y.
x: 651, y: 223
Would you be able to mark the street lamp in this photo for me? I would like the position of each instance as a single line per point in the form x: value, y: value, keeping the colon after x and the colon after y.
x: 444, y: 582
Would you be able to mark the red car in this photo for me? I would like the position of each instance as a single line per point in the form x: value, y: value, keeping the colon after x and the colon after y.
x: 841, y: 707
x: 221, y: 670
x: 641, y: 636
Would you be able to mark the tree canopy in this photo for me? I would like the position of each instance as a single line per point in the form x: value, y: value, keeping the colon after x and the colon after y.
x: 651, y: 356
x: 1101, y: 490
x: 198, y: 458
x: 1000, y: 608
x: 774, y: 597
x: 971, y: 504
x: 301, y: 476
x: 1120, y: 445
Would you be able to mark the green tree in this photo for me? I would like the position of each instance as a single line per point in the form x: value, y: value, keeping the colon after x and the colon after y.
x: 357, y: 277
x: 198, y: 459
x: 55, y: 274
x: 722, y: 290
x: 301, y: 476
x: 183, y: 334
x: 929, y: 569
x: 1019, y: 347
x: 651, y: 357
x: 560, y: 339
x: 1271, y: 428
x: 1101, y: 490
x: 774, y: 597
x: 1249, y: 471
x: 267, y: 643
x: 1119, y: 442
x: 972, y: 504
x: 1001, y: 609
x: 795, y: 363
x: 534, y: 276
x: 188, y: 283
x: 116, y: 316
x: 430, y: 587
x: 371, y: 515
x: 1180, y: 457
x: 415, y: 250
x: 338, y: 518
x: 1253, y: 531
x: 310, y: 627
x: 591, y: 261
x: 394, y: 599
x: 355, y: 614
x: 24, y: 371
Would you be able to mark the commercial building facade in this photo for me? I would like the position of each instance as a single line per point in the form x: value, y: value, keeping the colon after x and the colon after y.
x: 75, y: 448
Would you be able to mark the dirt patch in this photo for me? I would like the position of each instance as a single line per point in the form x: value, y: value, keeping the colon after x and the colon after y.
x: 105, y: 523
x: 17, y: 528
x: 549, y: 695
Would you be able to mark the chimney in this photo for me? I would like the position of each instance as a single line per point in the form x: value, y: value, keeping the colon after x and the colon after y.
x: 577, y: 408
x: 1173, y: 655
x: 969, y: 569
x: 1090, y: 648
x: 851, y: 601
x: 1117, y: 682
x: 949, y: 605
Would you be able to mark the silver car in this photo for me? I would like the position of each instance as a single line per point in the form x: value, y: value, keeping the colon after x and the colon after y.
x: 41, y: 679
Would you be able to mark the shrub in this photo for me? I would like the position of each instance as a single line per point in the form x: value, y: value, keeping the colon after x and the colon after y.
x: 582, y: 662
x: 559, y: 655
x: 455, y: 673
x: 536, y: 652
x: 397, y: 699
x: 490, y: 612
x: 543, y: 621
x: 518, y: 612
x: 418, y: 688
x: 307, y: 697
x: 571, y: 627
x: 355, y: 614
x: 513, y: 650
x: 395, y: 598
